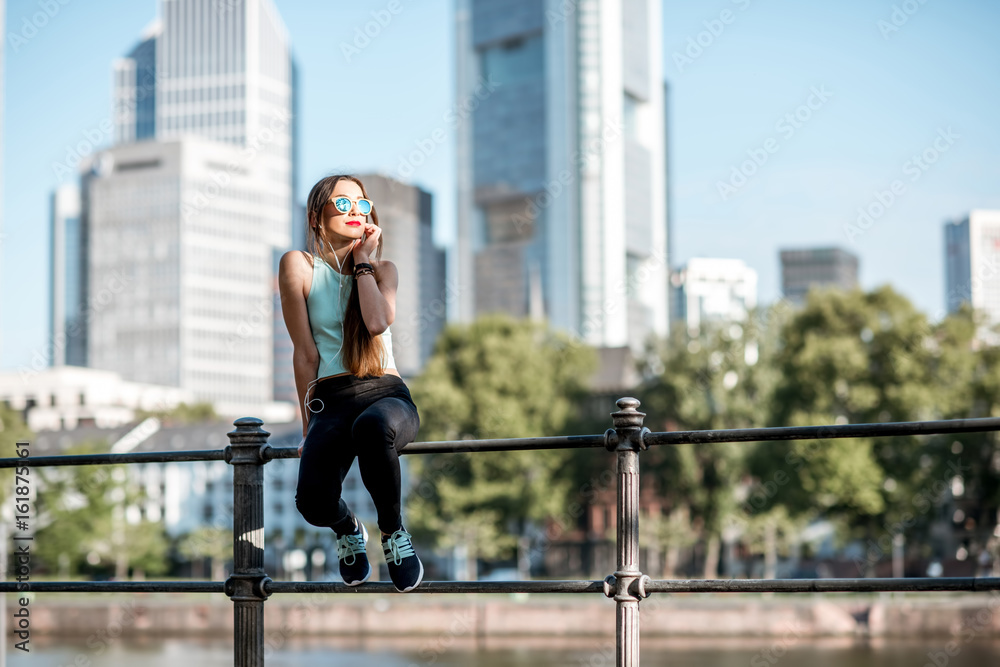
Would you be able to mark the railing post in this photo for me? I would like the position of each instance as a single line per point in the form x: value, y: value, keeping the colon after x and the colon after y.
x: 246, y: 585
x: 626, y: 440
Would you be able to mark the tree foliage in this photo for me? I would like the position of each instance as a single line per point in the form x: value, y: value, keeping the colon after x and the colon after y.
x: 83, y: 526
x: 495, y: 378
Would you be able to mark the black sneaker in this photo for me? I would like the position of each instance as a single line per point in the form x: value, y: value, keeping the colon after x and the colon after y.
x: 354, y: 566
x: 405, y: 569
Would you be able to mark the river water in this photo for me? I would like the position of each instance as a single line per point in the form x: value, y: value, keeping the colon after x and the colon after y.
x: 533, y: 652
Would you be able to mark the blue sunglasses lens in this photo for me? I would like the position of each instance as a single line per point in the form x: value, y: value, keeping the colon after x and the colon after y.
x: 343, y: 205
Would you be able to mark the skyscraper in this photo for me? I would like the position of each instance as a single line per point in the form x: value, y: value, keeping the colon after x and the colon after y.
x: 199, y: 187
x: 68, y: 286
x: 816, y: 267
x: 135, y: 89
x: 3, y: 46
x: 972, y: 263
x: 561, y: 165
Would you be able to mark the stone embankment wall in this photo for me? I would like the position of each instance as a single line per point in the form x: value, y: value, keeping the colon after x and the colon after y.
x: 566, y: 616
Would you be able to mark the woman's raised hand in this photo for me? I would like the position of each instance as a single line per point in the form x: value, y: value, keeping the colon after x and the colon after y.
x: 369, y: 242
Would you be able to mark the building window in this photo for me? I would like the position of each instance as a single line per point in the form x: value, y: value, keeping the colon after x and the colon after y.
x: 630, y: 105
x: 514, y: 61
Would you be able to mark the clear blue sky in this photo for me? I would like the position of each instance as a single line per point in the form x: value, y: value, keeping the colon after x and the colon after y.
x: 889, y: 95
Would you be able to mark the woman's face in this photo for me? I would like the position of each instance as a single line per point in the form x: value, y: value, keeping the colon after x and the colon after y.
x: 339, y: 225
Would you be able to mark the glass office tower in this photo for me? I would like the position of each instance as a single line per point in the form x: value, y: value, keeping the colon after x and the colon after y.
x: 561, y: 165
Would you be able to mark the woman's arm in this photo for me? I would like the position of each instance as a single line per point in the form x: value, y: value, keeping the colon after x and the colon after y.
x: 377, y: 292
x: 292, y: 272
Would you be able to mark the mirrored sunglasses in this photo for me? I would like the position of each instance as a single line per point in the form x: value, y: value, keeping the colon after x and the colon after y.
x: 343, y: 204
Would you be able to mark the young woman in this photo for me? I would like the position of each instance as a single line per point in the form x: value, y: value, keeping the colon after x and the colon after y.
x: 338, y: 301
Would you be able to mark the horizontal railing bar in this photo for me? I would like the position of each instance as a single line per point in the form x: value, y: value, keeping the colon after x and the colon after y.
x: 111, y: 459
x: 504, y: 444
x: 558, y: 442
x: 822, y: 585
x: 439, y: 587
x: 822, y: 432
x: 113, y: 587
x: 904, y: 585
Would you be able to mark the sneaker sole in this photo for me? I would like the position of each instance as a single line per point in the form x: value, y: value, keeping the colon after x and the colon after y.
x: 420, y: 577
x: 367, y: 577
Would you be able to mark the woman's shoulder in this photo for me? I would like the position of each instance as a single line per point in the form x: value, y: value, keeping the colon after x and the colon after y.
x: 299, y: 259
x: 295, y: 263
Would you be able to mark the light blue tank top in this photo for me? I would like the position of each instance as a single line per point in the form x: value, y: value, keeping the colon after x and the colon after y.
x: 327, y: 303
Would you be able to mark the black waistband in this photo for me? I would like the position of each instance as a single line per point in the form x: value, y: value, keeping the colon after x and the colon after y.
x: 343, y: 381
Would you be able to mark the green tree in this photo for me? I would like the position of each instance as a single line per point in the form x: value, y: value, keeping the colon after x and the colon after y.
x: 182, y: 414
x: 719, y: 377
x: 209, y: 542
x: 74, y: 506
x: 12, y: 431
x: 857, y: 357
x: 495, y: 378
x: 82, y: 521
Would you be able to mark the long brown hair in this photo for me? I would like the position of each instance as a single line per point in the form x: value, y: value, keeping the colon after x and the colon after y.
x: 362, y: 352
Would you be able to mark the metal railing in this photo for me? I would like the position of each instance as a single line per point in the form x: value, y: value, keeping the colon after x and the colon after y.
x: 249, y: 586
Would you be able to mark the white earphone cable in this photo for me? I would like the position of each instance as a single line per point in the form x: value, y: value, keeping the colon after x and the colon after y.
x: 306, y: 403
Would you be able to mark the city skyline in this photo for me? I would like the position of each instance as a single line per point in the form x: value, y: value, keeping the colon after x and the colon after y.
x: 865, y: 96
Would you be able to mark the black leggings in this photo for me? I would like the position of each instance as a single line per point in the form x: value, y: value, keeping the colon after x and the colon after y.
x: 368, y: 418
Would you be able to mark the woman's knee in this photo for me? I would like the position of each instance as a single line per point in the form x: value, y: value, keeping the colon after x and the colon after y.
x: 315, y: 501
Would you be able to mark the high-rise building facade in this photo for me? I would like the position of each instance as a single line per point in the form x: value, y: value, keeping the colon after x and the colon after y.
x: 711, y: 290
x: 404, y: 213
x: 68, y: 286
x: 3, y: 46
x: 200, y: 182
x: 972, y: 263
x: 561, y: 165
x: 803, y: 269
x: 135, y: 90
x: 179, y: 272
